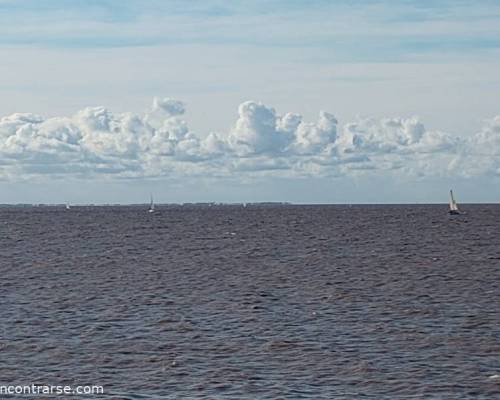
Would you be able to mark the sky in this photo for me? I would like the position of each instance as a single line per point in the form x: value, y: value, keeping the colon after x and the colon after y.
x: 105, y: 101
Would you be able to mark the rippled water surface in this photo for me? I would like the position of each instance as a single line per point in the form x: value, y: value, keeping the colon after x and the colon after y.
x: 226, y: 302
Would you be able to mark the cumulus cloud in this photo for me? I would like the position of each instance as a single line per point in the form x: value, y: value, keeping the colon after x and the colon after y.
x: 480, y: 153
x: 256, y: 131
x: 97, y: 142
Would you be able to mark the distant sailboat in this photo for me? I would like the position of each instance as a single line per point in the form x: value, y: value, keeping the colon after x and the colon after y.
x: 151, y: 205
x: 67, y: 206
x: 453, y: 205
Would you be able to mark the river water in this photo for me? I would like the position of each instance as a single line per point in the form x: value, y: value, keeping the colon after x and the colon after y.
x: 274, y: 302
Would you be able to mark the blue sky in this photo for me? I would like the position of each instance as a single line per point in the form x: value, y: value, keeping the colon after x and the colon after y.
x: 361, y: 30
x: 359, y: 60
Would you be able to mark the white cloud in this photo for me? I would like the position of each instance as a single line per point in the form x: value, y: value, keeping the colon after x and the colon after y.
x: 480, y: 153
x: 315, y: 138
x: 96, y: 142
x: 256, y: 131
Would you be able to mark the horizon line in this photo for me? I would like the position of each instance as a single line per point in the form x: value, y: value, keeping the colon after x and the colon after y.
x: 237, y: 203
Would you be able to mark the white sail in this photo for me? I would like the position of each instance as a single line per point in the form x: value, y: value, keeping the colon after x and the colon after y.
x: 151, y: 204
x: 453, y: 203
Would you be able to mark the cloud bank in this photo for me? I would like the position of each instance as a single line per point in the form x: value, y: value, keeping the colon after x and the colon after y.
x: 96, y: 142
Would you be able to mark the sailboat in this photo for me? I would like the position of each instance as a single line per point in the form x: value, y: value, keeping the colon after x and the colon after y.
x: 67, y: 206
x: 151, y: 205
x: 453, y: 205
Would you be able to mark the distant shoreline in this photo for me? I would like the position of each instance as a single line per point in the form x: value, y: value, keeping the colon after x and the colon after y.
x: 217, y: 204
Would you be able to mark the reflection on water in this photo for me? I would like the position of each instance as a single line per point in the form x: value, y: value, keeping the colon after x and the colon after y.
x: 290, y: 302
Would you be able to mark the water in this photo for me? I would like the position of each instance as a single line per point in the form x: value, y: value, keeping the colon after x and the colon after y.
x: 289, y: 302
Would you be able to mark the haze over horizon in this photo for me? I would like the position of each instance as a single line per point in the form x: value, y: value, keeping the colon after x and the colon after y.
x: 106, y: 101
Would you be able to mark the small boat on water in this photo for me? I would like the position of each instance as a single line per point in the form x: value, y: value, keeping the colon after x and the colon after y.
x: 453, y: 205
x: 151, y: 205
x: 67, y: 206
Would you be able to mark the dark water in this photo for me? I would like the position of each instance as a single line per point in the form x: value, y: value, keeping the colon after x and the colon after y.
x: 296, y: 302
